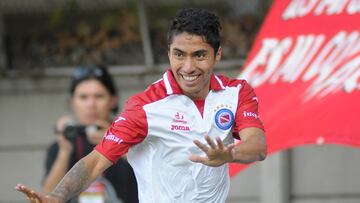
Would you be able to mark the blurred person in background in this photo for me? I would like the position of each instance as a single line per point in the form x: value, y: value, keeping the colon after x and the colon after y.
x: 94, y: 101
x: 179, y: 133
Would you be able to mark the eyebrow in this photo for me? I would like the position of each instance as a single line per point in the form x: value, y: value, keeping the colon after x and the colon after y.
x: 198, y: 52
x: 178, y: 50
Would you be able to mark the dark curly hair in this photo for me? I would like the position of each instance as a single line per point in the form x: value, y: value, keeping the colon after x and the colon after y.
x: 199, y: 22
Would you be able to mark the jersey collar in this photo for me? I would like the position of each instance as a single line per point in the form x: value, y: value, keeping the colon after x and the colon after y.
x: 173, y: 88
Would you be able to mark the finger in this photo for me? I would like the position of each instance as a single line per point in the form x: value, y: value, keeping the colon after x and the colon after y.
x: 31, y: 194
x: 210, y: 142
x: 203, y: 147
x: 230, y: 146
x: 23, y: 189
x: 197, y: 159
x: 36, y: 197
x: 17, y: 187
x: 32, y: 200
x: 220, y: 143
x: 27, y: 192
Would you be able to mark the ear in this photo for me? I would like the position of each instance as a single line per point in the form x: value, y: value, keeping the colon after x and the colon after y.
x: 218, y: 55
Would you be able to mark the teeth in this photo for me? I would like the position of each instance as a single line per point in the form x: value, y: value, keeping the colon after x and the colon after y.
x: 189, y: 78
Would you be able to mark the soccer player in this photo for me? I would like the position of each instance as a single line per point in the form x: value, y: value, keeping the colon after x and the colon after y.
x: 179, y: 133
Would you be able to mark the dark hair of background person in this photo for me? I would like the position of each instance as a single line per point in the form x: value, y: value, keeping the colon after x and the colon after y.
x: 196, y: 21
x: 94, y: 72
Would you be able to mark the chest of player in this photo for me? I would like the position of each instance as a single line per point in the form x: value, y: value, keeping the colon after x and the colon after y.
x: 177, y: 119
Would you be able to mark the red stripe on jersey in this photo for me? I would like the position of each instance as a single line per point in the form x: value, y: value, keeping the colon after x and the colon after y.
x: 131, y: 125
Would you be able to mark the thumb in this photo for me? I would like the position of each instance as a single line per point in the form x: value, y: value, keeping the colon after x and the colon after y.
x: 196, y: 158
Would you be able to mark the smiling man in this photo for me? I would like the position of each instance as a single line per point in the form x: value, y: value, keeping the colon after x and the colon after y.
x: 179, y: 133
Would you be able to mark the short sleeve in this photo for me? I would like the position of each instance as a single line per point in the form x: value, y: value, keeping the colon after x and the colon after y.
x: 247, y: 114
x: 128, y: 129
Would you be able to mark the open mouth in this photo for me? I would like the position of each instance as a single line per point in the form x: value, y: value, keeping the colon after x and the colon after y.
x: 190, y: 78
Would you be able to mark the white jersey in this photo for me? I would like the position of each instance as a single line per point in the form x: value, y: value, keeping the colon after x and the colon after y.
x: 158, y: 126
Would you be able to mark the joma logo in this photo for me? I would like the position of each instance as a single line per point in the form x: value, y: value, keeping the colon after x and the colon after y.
x: 180, y: 127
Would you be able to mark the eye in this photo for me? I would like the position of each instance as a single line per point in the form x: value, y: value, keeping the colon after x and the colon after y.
x: 100, y: 96
x: 178, y: 55
x: 200, y: 56
x: 82, y: 96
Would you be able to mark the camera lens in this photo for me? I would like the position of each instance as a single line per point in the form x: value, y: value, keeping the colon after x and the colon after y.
x: 71, y: 131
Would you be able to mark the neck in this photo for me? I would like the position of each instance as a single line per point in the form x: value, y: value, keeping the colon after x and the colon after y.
x: 199, y: 95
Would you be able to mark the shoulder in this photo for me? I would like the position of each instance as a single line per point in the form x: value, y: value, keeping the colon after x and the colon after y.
x: 246, y: 92
x: 233, y: 82
x: 152, y: 93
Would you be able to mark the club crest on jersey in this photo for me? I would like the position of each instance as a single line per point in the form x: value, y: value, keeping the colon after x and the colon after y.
x: 224, y: 119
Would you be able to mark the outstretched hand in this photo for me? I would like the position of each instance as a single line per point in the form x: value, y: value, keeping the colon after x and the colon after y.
x: 33, y: 196
x: 216, y: 154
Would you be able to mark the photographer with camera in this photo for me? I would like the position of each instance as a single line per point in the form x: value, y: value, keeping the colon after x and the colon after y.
x: 93, y: 101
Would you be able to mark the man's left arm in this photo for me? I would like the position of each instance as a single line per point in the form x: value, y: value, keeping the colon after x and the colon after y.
x: 249, y: 128
x: 252, y: 146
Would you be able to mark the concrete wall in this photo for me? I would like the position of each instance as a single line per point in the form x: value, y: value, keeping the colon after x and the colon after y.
x: 25, y: 132
x: 30, y: 107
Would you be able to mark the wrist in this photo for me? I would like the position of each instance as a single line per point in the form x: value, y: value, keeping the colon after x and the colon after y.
x: 54, y: 198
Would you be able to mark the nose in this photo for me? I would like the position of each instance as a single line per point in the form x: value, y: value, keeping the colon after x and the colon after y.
x: 91, y: 103
x: 188, y: 65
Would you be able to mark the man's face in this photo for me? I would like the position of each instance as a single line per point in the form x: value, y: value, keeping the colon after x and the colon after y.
x: 192, y: 61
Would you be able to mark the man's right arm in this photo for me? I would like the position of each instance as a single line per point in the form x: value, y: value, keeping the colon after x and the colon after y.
x: 77, y: 179
x: 80, y: 176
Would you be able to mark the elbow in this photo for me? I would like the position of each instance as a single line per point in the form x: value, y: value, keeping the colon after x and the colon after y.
x: 262, y: 156
x: 262, y: 146
x: 263, y: 152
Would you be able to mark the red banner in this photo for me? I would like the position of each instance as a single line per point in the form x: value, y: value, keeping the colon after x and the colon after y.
x: 305, y: 68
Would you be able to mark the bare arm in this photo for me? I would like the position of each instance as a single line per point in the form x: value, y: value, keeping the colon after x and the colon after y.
x: 252, y: 146
x: 81, y: 175
x: 78, y: 178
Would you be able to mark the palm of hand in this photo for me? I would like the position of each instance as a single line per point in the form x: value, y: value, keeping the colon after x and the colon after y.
x: 33, y: 196
x: 218, y: 157
x: 216, y: 154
